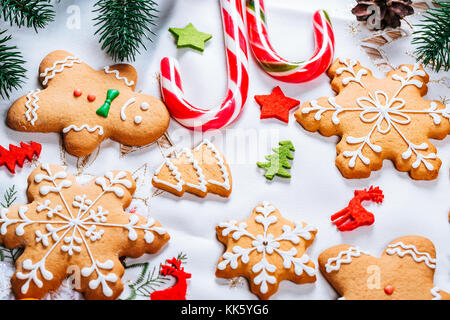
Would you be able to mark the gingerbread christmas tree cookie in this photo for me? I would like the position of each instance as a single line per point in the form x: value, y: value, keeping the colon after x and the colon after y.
x: 89, y: 106
x: 199, y: 171
x: 266, y: 249
x: 405, y: 271
x: 68, y: 228
x: 379, y: 119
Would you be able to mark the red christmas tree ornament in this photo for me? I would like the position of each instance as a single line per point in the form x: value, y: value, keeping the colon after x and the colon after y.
x: 17, y: 155
x: 354, y: 215
x: 177, y: 291
x: 276, y: 105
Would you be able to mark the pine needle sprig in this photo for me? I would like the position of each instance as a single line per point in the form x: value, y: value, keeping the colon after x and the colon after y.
x: 433, y: 38
x: 9, y: 197
x: 12, y: 72
x: 124, y: 26
x: 29, y: 13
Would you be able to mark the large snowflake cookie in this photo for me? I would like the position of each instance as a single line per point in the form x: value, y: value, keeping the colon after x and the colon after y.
x: 266, y: 249
x: 198, y: 171
x: 405, y: 271
x: 76, y: 229
x: 89, y: 106
x: 379, y: 119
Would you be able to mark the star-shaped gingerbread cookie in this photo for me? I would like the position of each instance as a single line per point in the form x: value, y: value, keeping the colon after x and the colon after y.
x: 379, y: 119
x: 405, y: 271
x: 266, y: 249
x: 68, y: 228
x: 89, y: 106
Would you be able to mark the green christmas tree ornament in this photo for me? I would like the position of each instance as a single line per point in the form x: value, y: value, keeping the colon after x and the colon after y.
x: 189, y: 37
x: 278, y: 161
x: 110, y: 96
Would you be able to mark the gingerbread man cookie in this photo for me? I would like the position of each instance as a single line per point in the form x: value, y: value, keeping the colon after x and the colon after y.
x: 405, y: 271
x: 202, y: 170
x: 68, y: 228
x: 379, y: 119
x: 89, y: 106
x: 266, y: 249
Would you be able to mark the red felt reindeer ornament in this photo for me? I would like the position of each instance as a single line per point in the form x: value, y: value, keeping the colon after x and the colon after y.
x: 177, y: 291
x: 354, y: 215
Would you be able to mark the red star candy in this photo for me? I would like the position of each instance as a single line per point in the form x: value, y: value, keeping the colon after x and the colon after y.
x: 276, y: 105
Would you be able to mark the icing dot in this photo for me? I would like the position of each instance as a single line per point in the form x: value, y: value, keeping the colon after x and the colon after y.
x: 389, y: 289
x: 77, y: 92
x: 145, y: 106
x: 137, y: 119
x: 91, y: 97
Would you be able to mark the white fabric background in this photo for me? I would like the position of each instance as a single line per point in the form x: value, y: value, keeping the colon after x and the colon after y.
x: 316, y: 190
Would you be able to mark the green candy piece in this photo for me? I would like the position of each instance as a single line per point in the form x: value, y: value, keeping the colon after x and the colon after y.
x: 110, y: 96
x: 278, y: 161
x: 190, y: 37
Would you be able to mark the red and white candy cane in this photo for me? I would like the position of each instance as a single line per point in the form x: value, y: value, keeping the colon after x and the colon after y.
x: 237, y: 60
x: 278, y: 67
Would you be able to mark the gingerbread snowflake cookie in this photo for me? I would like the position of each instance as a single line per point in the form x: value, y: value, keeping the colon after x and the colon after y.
x: 405, y: 271
x: 379, y: 119
x: 199, y: 171
x: 89, y: 106
x: 68, y: 228
x: 266, y: 249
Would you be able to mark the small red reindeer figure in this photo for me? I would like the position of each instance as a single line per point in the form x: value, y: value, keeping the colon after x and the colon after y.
x: 178, y: 290
x: 354, y: 215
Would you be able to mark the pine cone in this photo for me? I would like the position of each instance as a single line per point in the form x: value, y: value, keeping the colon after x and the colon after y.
x: 379, y: 14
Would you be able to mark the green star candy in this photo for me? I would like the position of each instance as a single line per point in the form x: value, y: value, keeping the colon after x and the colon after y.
x: 190, y: 37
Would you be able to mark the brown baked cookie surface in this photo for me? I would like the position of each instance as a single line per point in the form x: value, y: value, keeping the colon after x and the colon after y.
x: 199, y: 171
x: 266, y: 249
x: 405, y: 271
x: 89, y: 106
x: 79, y: 230
x: 379, y: 119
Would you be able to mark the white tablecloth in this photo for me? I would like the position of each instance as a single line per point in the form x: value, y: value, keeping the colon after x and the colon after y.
x: 316, y: 189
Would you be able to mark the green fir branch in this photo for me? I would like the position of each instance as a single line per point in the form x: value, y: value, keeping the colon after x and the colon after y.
x: 183, y: 257
x: 433, y: 38
x: 146, y: 282
x: 29, y: 13
x: 12, y: 72
x: 124, y: 26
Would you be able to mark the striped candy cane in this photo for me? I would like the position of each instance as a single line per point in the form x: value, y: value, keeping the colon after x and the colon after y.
x: 237, y: 60
x: 275, y: 65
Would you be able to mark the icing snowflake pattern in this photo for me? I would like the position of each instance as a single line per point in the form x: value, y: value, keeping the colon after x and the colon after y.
x: 390, y: 112
x: 275, y: 242
x: 76, y: 228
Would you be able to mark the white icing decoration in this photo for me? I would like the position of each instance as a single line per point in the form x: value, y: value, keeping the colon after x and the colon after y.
x: 177, y: 175
x: 69, y: 229
x: 67, y: 62
x: 118, y: 77
x: 84, y: 126
x: 33, y: 99
x: 145, y: 106
x: 220, y: 161
x: 122, y: 110
x: 202, y: 180
x: 435, y: 293
x: 266, y: 244
x: 385, y: 113
x: 344, y: 257
x: 402, y: 249
x: 350, y: 68
x: 137, y: 119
